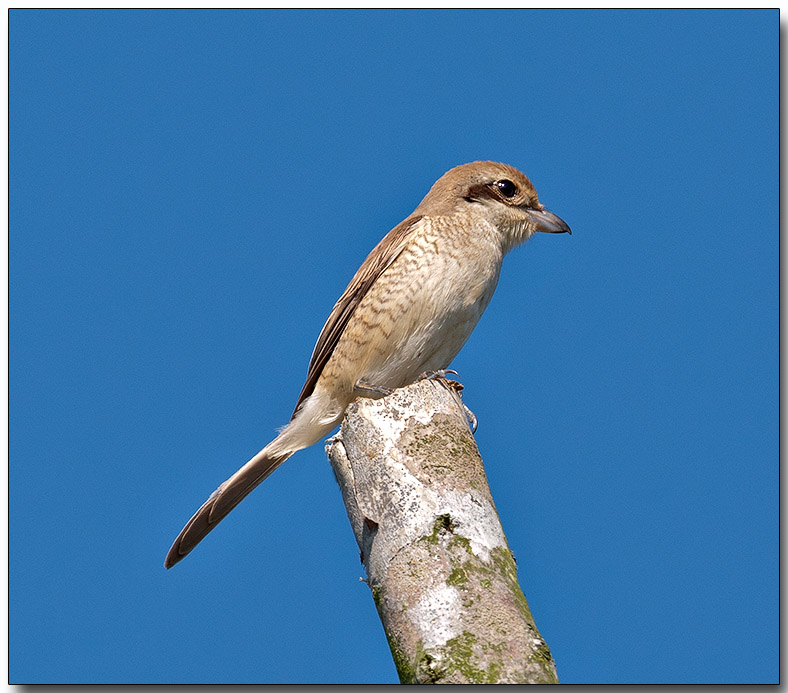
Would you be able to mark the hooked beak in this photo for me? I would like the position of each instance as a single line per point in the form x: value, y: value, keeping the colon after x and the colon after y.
x: 547, y: 222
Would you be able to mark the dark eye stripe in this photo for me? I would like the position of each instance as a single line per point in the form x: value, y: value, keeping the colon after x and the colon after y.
x: 491, y: 191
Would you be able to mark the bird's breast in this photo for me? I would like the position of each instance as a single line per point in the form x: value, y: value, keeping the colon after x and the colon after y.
x: 426, y: 305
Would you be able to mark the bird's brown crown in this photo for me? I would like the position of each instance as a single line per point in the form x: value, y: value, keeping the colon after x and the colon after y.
x: 476, y: 182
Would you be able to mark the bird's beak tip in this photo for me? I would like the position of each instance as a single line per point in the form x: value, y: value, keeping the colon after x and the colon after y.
x: 547, y: 222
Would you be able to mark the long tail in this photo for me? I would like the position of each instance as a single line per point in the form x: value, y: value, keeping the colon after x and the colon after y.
x: 222, y: 501
x: 315, y: 419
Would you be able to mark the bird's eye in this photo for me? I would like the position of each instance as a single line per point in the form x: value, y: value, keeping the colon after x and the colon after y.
x: 506, y: 187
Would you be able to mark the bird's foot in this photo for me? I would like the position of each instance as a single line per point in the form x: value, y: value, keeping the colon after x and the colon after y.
x: 473, y: 422
x: 432, y: 375
x: 366, y: 388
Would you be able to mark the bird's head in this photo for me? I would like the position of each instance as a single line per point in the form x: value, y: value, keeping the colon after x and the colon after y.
x: 500, y: 193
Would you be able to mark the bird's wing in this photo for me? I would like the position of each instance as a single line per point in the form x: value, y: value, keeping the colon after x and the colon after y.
x: 381, y: 257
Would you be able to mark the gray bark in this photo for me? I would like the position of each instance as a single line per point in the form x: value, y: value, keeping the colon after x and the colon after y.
x: 441, y: 573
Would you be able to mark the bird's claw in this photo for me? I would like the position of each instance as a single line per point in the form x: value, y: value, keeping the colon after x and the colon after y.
x: 473, y: 422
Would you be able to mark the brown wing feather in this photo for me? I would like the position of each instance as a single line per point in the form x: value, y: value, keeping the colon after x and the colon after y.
x: 381, y: 257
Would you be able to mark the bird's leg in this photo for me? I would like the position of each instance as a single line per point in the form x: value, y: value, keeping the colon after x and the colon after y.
x: 363, y: 387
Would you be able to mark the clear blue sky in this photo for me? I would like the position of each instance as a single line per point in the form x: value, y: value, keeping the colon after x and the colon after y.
x: 191, y: 191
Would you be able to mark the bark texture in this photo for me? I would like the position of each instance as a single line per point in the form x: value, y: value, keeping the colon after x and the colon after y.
x: 437, y: 561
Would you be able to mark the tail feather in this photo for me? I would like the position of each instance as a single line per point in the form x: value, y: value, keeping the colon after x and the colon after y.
x: 316, y: 417
x: 222, y: 501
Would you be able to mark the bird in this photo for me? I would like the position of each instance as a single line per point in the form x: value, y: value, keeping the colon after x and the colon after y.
x: 407, y: 312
